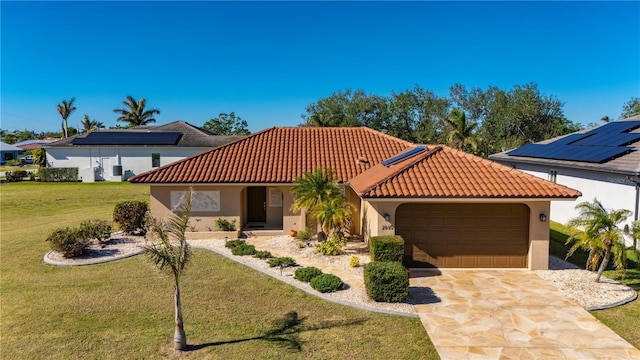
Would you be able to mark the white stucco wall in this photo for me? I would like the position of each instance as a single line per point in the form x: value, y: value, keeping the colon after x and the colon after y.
x: 614, y: 191
x: 134, y: 160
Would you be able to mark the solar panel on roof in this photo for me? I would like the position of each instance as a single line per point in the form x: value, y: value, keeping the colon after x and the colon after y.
x: 404, y: 155
x: 128, y: 138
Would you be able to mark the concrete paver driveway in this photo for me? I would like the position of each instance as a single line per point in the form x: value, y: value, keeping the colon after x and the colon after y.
x: 508, y: 314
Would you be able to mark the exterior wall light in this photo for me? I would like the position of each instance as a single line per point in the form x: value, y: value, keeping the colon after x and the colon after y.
x: 387, y: 217
x: 543, y: 217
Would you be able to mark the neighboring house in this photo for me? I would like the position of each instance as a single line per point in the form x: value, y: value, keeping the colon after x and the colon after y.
x: 603, y: 163
x: 118, y: 154
x: 8, y: 152
x: 27, y: 145
x: 453, y: 209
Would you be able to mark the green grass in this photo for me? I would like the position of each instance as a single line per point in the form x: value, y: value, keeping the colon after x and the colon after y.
x: 124, y: 309
x: 622, y: 319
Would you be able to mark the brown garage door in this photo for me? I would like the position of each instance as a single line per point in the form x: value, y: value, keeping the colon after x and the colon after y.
x: 464, y: 235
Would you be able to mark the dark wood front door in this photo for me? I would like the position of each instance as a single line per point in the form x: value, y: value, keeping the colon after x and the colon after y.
x: 257, y: 204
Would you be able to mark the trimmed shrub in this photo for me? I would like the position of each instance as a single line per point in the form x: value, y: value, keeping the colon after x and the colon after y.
x: 263, y: 255
x: 282, y: 262
x: 14, y: 176
x: 326, y: 283
x: 332, y: 246
x: 306, y: 274
x: 387, y: 248
x: 230, y: 244
x: 58, y: 174
x: 131, y: 216
x: 96, y: 229
x: 68, y: 241
x: 244, y: 249
x: 305, y: 234
x: 225, y: 225
x: 386, y: 281
x: 354, y: 261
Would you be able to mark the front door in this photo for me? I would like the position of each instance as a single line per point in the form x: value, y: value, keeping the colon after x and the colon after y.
x: 257, y: 204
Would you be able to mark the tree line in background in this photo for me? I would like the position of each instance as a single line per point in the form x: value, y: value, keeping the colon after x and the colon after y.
x: 478, y: 121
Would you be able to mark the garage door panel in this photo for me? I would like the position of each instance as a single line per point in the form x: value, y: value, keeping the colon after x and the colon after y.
x: 464, y: 235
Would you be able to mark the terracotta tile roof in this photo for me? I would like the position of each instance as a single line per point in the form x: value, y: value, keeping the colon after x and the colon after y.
x: 442, y: 172
x: 279, y: 155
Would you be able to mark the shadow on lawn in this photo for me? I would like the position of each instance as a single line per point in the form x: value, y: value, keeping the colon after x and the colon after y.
x: 284, y: 334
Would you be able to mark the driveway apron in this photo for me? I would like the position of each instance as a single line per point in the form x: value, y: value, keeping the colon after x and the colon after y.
x: 508, y: 314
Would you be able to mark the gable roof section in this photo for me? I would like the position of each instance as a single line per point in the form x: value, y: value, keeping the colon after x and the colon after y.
x: 190, y: 136
x: 280, y: 155
x: 6, y: 147
x: 613, y: 147
x: 442, y: 172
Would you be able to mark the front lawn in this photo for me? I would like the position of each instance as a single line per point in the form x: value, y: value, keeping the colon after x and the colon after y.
x: 124, y: 309
x: 622, y: 319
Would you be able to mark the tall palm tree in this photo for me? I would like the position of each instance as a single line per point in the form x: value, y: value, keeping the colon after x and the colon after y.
x: 134, y: 113
x: 334, y: 214
x: 314, y: 189
x: 65, y: 109
x: 90, y: 125
x: 171, y: 255
x: 461, y: 136
x: 600, y: 232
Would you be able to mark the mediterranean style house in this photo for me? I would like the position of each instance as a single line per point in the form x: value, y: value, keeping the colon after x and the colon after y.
x: 453, y: 209
x: 118, y: 154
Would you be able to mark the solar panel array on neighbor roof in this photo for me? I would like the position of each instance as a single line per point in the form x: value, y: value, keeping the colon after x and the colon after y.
x: 596, y: 146
x: 128, y: 138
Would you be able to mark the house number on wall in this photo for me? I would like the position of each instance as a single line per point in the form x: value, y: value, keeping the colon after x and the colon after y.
x: 387, y: 227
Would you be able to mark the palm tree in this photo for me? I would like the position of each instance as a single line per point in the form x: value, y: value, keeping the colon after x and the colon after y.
x: 135, y: 114
x: 171, y: 255
x: 461, y: 136
x: 600, y: 232
x: 90, y: 125
x: 65, y: 109
x: 314, y: 189
x: 334, y: 214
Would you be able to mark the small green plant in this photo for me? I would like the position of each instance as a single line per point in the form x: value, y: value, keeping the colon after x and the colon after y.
x: 305, y: 234
x: 131, y: 216
x: 282, y: 262
x: 332, y: 246
x: 354, y: 261
x: 306, y: 274
x: 301, y: 245
x: 244, y: 249
x: 325, y: 283
x: 68, y: 241
x: 386, y: 281
x: 96, y: 229
x: 230, y: 244
x: 262, y: 254
x: 226, y: 225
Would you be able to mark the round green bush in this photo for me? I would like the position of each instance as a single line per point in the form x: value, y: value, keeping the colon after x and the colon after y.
x: 244, y: 249
x: 327, y: 283
x: 386, y: 281
x: 131, y: 216
x: 306, y: 274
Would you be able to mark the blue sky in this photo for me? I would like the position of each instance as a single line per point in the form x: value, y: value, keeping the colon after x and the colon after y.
x: 267, y: 61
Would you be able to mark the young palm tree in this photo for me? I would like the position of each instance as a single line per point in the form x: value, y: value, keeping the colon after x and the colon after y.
x: 334, y: 214
x: 90, y: 125
x: 600, y: 233
x: 314, y: 189
x: 171, y: 255
x: 65, y: 109
x: 134, y: 113
x: 462, y: 134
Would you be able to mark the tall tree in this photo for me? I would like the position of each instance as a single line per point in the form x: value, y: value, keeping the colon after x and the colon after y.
x: 65, y: 108
x: 135, y: 113
x: 631, y: 108
x: 171, y: 255
x: 347, y: 108
x: 89, y: 125
x: 461, y: 135
x: 599, y: 233
x: 227, y: 124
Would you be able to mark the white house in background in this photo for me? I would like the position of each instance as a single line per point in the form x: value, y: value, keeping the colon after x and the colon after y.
x: 8, y: 152
x: 118, y: 154
x: 602, y: 163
